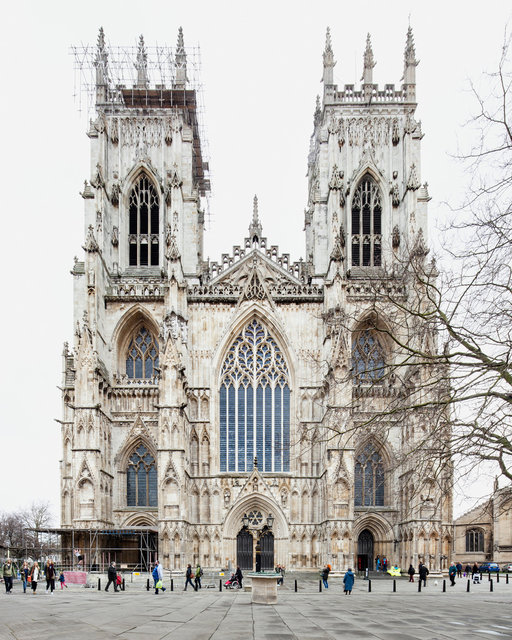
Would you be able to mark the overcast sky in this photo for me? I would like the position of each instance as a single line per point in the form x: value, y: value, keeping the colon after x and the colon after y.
x: 261, y: 70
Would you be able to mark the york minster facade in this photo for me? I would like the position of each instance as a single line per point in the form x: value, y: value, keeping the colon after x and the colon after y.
x: 211, y: 407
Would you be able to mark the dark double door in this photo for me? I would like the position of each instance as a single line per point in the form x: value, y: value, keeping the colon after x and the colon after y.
x: 259, y: 556
x: 365, y: 550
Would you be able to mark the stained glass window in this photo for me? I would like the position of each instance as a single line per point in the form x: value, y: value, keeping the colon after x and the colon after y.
x: 142, y: 356
x: 366, y: 224
x: 254, y: 404
x: 141, y: 479
x: 144, y: 218
x: 474, y: 540
x: 369, y: 478
x: 367, y: 358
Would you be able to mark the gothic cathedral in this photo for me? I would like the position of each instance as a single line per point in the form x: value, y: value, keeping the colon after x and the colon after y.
x: 209, y: 408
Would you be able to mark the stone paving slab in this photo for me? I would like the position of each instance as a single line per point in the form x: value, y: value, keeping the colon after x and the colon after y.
x: 307, y: 615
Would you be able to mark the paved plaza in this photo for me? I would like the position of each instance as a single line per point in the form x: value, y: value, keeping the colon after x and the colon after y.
x: 306, y: 615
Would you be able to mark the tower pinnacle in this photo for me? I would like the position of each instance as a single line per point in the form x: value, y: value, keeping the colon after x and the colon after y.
x: 410, y: 64
x: 255, y: 226
x: 142, y: 64
x: 181, y: 62
x: 368, y: 62
x: 329, y: 62
x: 100, y: 62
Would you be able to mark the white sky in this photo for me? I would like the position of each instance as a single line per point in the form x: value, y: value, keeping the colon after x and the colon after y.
x: 261, y: 68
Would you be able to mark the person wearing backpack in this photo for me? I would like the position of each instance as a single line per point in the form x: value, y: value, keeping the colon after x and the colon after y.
x: 198, y: 576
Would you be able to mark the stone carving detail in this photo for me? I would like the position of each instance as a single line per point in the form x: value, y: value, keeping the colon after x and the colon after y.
x: 395, y: 194
x: 115, y: 236
x: 395, y: 135
x: 139, y: 131
x: 174, y: 326
x: 172, y: 253
x: 115, y: 193
x: 337, y: 252
x: 254, y: 289
x: 175, y: 180
x: 98, y: 181
x: 90, y: 241
x: 168, y: 195
x: 336, y: 181
x: 363, y: 130
x: 114, y: 130
x: 87, y: 192
x: 395, y: 240
x: 413, y: 183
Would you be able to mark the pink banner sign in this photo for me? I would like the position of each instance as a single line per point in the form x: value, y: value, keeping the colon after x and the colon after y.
x: 75, y: 577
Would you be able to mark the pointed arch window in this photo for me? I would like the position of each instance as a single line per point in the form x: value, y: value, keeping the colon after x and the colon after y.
x: 369, y: 478
x: 142, y: 356
x: 144, y: 224
x: 141, y: 479
x: 254, y: 402
x: 368, y: 365
x: 474, y: 540
x: 367, y: 224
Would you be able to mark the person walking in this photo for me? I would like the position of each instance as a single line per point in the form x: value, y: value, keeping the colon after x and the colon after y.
x: 282, y: 571
x: 452, y: 572
x: 24, y: 573
x: 377, y: 563
x: 423, y: 574
x: 189, y: 578
x: 50, y: 576
x: 112, y: 577
x: 459, y: 569
x: 348, y: 581
x: 411, y: 573
x: 467, y: 570
x: 325, y: 576
x: 197, y: 577
x: 62, y: 580
x: 34, y: 576
x: 8, y: 572
x: 158, y: 577
x: 239, y: 576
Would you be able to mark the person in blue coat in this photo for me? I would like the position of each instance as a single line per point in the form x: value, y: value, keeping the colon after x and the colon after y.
x: 348, y: 581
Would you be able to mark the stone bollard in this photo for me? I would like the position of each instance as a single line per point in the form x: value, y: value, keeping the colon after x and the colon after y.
x: 507, y: 578
x: 444, y: 586
x: 489, y: 576
x: 147, y: 585
x: 467, y: 588
x: 295, y: 586
x: 419, y: 585
x: 99, y: 584
x: 394, y: 585
x: 123, y: 586
x: 491, y: 583
x: 369, y: 586
x: 320, y: 586
x: 498, y: 577
x: 172, y: 584
x: 220, y: 584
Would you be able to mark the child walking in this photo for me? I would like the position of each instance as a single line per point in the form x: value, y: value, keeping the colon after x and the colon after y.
x: 62, y: 581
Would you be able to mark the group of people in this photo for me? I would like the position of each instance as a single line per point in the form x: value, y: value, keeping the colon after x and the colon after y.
x: 422, y: 572
x: 197, y: 574
x: 30, y: 575
x: 381, y: 564
x: 348, y: 579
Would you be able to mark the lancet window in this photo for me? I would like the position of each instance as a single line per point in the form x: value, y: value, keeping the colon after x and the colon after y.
x: 367, y: 224
x: 144, y: 224
x: 142, y: 356
x: 254, y: 402
x: 369, y: 478
x: 474, y: 540
x: 141, y: 479
x: 368, y: 364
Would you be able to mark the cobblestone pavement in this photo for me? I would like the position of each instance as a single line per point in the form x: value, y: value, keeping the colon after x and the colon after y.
x: 306, y: 615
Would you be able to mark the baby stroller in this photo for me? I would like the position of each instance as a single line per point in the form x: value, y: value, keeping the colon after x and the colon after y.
x: 232, y: 583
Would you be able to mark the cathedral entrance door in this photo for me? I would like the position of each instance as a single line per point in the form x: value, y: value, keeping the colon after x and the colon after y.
x: 244, y: 549
x: 365, y: 550
x: 266, y: 543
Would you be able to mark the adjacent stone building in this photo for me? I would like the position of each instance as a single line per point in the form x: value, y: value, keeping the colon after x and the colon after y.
x: 201, y: 398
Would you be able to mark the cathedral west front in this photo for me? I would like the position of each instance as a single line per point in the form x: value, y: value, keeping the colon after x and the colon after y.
x: 209, y: 408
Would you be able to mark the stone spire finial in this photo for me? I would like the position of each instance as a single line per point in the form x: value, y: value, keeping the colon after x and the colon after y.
x: 328, y: 60
x: 142, y: 64
x: 181, y: 62
x: 255, y: 226
x: 317, y: 118
x: 410, y: 64
x: 369, y: 62
x: 100, y: 62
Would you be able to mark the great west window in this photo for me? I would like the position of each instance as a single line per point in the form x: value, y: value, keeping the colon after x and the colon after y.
x: 254, y: 404
x: 143, y: 238
x: 366, y: 225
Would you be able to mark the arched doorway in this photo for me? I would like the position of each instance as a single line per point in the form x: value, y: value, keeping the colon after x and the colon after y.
x: 365, y: 550
x: 244, y: 549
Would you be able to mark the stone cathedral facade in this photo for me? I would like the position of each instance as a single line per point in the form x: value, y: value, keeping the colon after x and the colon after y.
x: 200, y: 398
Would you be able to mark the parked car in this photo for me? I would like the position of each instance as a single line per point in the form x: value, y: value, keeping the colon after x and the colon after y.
x: 491, y: 567
x: 507, y: 568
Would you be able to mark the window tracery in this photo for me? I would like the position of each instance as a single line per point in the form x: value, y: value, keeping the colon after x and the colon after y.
x: 369, y: 478
x: 143, y: 355
x: 254, y: 404
x: 144, y: 224
x: 141, y: 477
x: 368, y: 364
x: 367, y: 224
x: 474, y: 540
